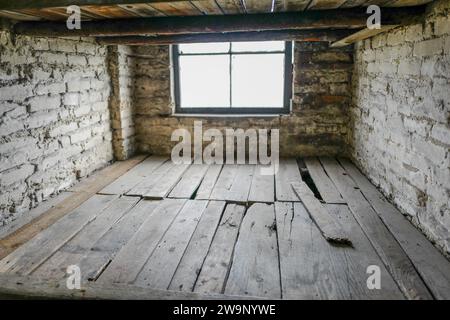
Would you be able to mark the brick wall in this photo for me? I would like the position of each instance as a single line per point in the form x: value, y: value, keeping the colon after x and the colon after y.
x: 54, y: 117
x: 121, y: 101
x: 317, y: 125
x: 401, y: 119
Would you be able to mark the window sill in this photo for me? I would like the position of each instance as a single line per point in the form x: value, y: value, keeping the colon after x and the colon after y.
x: 206, y: 115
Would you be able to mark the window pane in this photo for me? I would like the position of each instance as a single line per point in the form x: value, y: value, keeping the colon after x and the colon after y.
x: 204, y: 81
x: 257, y: 80
x: 258, y: 46
x: 214, y: 47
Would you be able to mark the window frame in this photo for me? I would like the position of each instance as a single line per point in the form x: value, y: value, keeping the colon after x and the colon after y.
x: 288, y: 78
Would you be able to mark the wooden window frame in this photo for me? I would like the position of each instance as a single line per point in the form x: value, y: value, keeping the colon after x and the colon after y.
x: 288, y: 78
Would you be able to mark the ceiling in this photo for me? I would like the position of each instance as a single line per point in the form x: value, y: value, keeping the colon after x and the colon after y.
x: 54, y: 10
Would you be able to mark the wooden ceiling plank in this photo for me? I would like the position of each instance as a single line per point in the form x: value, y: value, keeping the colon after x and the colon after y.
x: 321, y: 19
x: 258, y: 6
x: 142, y: 10
x: 208, y: 7
x: 44, y: 14
x: 108, y: 12
x: 231, y: 6
x: 33, y: 4
x: 363, y: 3
x: 282, y: 35
x: 406, y: 3
x: 61, y: 14
x: 18, y: 16
x: 325, y: 4
x: 361, y: 35
x: 178, y: 8
x: 291, y: 5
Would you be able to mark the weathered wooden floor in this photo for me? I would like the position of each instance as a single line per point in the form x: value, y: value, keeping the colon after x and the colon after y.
x: 162, y: 230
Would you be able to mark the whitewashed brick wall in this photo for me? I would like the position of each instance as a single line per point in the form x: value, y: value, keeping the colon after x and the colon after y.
x: 401, y: 119
x: 54, y: 117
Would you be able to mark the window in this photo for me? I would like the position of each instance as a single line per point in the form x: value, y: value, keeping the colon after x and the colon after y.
x: 233, y: 77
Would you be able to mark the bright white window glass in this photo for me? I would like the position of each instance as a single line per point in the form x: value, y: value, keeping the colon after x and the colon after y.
x: 258, y: 46
x: 213, y: 47
x: 258, y: 80
x: 205, y: 81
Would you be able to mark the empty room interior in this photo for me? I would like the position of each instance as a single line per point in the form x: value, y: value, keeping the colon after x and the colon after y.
x: 225, y: 149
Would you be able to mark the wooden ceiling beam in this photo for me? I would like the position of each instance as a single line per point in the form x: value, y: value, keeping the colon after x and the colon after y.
x: 281, y: 35
x: 33, y: 4
x: 307, y: 20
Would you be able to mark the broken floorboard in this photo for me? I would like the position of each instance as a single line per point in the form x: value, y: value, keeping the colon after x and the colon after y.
x: 189, y: 182
x: 327, y: 223
x: 324, y: 185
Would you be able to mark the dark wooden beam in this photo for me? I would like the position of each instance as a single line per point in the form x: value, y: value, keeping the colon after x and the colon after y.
x: 33, y: 4
x: 307, y: 20
x: 282, y: 35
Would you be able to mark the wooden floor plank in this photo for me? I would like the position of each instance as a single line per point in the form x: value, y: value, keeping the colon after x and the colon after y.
x: 262, y: 188
x: 224, y: 182
x: 165, y: 183
x: 131, y: 258
x: 233, y: 183
x: 76, y: 248
x: 142, y: 187
x: 190, y: 246
x: 429, y: 262
x: 208, y: 182
x: 312, y: 268
x: 32, y: 254
x: 388, y: 248
x: 106, y: 248
x: 326, y: 188
x: 255, y: 270
x: 213, y: 275
x: 197, y: 249
x: 83, y: 192
x: 327, y: 224
x: 241, y: 185
x: 288, y: 172
x: 35, y: 288
x: 100, y: 179
x: 305, y: 273
x: 162, y: 264
x: 189, y: 182
x: 360, y: 256
x: 130, y: 179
